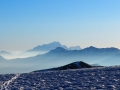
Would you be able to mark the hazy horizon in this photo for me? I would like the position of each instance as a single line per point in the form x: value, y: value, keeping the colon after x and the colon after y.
x: 20, y: 51
x: 9, y: 55
x: 27, y: 23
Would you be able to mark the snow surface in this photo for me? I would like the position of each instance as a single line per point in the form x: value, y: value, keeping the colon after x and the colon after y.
x: 100, y: 78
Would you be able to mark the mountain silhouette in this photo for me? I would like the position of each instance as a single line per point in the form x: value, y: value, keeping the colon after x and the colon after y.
x: 74, y: 65
x: 47, y: 47
x: 104, y: 50
x: 53, y: 45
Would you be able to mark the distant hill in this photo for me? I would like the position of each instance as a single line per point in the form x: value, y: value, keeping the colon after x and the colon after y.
x: 74, y: 65
x: 53, y: 45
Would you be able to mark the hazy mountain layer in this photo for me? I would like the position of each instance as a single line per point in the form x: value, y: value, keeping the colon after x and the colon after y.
x: 60, y: 56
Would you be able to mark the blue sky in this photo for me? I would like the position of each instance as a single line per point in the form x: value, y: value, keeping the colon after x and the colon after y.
x: 25, y: 24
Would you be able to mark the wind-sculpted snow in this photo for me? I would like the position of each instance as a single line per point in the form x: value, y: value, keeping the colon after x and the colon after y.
x: 100, y: 78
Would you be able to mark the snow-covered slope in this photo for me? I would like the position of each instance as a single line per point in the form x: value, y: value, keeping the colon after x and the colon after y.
x: 102, y: 78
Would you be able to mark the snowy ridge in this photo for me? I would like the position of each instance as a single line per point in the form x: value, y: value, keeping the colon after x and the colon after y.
x: 74, y: 65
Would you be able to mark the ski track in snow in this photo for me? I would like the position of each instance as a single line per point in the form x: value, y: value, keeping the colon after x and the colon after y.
x: 5, y: 85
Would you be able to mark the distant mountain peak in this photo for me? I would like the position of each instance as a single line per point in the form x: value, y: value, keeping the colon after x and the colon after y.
x: 59, y: 49
x: 92, y: 47
x: 54, y: 43
x: 47, y: 47
x: 52, y: 46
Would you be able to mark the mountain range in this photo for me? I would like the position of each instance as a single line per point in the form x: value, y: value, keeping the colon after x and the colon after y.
x: 53, y: 45
x: 60, y: 56
x: 40, y: 49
